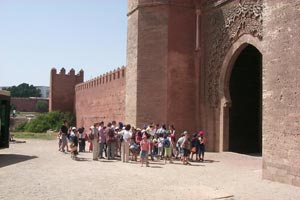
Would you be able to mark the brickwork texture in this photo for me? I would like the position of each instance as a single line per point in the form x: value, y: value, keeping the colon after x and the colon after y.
x: 281, y: 96
x: 62, y: 90
x: 101, y: 99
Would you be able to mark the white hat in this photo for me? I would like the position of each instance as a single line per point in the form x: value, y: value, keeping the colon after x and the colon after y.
x: 74, y: 128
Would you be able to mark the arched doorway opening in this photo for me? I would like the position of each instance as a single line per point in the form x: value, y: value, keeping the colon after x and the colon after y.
x: 245, y: 112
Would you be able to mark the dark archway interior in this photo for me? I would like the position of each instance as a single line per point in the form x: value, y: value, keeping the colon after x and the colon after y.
x: 245, y: 116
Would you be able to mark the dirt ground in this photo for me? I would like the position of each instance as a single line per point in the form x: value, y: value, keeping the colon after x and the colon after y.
x: 36, y: 170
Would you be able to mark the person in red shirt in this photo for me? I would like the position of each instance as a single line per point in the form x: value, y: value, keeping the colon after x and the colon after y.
x: 144, y: 150
x: 202, y: 145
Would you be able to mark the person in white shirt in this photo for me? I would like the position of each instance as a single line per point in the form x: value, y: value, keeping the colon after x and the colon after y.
x: 95, y: 141
x: 126, y: 135
x: 162, y: 130
x: 102, y: 140
x: 178, y: 145
x: 160, y: 146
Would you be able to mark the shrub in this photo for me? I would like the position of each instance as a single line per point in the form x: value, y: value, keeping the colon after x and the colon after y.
x: 46, y: 121
x: 20, y: 127
x: 42, y: 106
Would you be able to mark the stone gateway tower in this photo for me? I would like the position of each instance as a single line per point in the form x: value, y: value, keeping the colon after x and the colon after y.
x: 197, y: 64
x: 229, y: 67
x: 62, y: 89
x: 161, y: 66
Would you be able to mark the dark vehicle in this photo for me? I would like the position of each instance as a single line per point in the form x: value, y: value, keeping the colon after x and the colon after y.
x: 4, y: 118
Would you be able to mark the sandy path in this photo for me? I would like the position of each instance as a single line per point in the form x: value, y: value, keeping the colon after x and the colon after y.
x: 36, y: 170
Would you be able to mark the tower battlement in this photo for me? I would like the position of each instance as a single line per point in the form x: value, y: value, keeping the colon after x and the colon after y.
x: 62, y: 89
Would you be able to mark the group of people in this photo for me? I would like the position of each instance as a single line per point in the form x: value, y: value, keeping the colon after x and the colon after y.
x: 118, y: 140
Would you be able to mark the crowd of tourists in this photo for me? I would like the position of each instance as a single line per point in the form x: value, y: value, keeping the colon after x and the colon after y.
x: 113, y: 140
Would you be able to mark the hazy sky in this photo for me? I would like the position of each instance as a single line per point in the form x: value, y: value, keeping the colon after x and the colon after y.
x: 37, y: 35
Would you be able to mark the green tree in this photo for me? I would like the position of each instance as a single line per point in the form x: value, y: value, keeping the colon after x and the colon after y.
x: 42, y: 106
x: 24, y: 90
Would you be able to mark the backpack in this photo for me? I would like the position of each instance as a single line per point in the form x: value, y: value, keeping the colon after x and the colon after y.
x: 111, y: 133
x: 91, y: 136
x: 167, y: 143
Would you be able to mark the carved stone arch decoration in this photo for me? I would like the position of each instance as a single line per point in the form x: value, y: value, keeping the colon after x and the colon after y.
x: 228, y: 63
x: 227, y: 26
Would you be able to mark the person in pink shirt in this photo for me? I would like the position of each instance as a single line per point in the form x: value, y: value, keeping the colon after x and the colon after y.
x: 144, y: 145
x: 172, y: 137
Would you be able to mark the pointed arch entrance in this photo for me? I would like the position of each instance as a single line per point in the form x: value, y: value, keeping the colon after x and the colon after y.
x: 241, y: 100
x: 245, y: 113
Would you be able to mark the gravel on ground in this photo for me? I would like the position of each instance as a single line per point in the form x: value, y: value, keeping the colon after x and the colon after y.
x: 36, y: 170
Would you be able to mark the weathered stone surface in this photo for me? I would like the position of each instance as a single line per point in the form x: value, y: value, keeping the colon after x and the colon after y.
x: 281, y: 126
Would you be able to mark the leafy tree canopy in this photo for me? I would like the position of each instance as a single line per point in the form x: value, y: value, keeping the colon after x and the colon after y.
x: 24, y: 90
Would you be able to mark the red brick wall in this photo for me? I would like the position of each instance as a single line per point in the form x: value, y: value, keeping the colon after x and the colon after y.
x: 160, y: 84
x: 101, y: 99
x: 181, y: 69
x: 26, y: 104
x: 62, y: 90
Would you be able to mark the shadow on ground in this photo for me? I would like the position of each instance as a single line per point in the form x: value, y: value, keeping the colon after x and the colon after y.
x: 10, y: 159
x: 210, y: 161
x: 82, y: 159
x: 255, y: 154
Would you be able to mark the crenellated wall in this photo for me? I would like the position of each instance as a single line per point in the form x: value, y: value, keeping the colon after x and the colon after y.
x: 62, y: 89
x: 101, y: 99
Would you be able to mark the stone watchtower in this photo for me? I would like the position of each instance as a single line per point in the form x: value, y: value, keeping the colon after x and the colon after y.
x: 160, y: 81
x: 62, y: 89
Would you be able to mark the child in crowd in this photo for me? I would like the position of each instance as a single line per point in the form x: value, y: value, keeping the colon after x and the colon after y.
x: 202, y: 140
x: 179, y: 153
x: 155, y: 145
x: 59, y: 137
x: 195, y: 147
x: 135, y: 150
x: 160, y: 146
x: 74, y: 143
x: 186, y: 146
x: 167, y: 146
x: 149, y: 140
x: 81, y: 139
x: 144, y: 145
